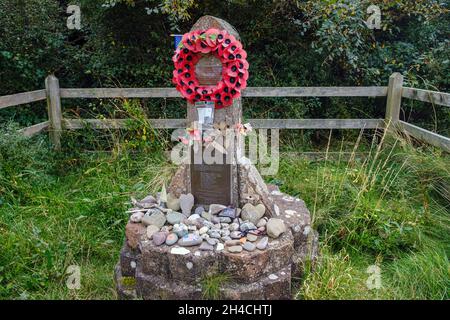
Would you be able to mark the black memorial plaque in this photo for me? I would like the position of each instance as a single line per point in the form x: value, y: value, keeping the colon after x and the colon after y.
x: 211, y: 183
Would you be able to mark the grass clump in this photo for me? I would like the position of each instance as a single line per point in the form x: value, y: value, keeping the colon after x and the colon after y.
x: 211, y: 285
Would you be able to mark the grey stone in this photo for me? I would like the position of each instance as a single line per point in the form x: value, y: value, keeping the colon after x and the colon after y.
x: 230, y: 243
x: 159, y: 238
x: 174, y: 217
x: 214, y: 234
x: 252, y: 237
x: 216, y: 208
x: 248, y: 246
x: 180, y: 229
x: 203, y: 230
x: 149, y: 199
x: 208, y: 224
x: 224, y: 220
x: 206, y: 247
x: 190, y: 240
x: 215, y: 219
x: 171, y: 239
x: 225, y: 233
x: 199, y: 210
x: 234, y: 227
x: 186, y: 203
x: 194, y: 217
x: 136, y: 217
x: 226, y: 238
x: 228, y: 212
x: 234, y: 249
x: 253, y: 213
x: 147, y: 202
x: 151, y: 230
x: 206, y: 215
x: 275, y: 227
x: 173, y: 202
x: 262, y: 244
x: 212, y: 241
x: 236, y: 235
x: 247, y: 226
x: 262, y: 222
x: 156, y: 218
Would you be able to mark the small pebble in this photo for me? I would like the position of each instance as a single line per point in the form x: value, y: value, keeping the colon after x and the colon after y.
x: 231, y: 243
x: 203, y: 230
x: 248, y: 246
x: 235, y: 235
x: 252, y: 237
x: 159, y: 238
x: 206, y: 247
x: 215, y: 235
x: 262, y: 244
x: 199, y: 210
x: 151, y: 230
x: 180, y: 251
x: 216, y: 208
x: 234, y: 249
x: 136, y: 217
x: 225, y: 220
x: 171, y: 239
x: 212, y: 241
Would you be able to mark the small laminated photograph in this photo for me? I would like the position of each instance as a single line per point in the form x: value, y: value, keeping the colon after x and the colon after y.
x: 205, y: 112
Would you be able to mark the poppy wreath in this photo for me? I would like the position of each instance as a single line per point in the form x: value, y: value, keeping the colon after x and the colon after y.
x: 227, y: 49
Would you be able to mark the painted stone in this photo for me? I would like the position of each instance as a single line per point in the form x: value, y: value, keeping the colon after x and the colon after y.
x: 190, y: 240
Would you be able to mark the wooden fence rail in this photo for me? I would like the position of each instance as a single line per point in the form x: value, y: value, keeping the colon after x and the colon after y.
x: 74, y: 124
x: 394, y: 93
x: 251, y: 92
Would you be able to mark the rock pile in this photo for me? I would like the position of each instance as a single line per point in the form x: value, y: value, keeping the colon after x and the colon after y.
x: 216, y: 228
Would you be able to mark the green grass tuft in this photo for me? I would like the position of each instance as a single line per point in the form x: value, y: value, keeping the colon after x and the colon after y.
x: 211, y: 285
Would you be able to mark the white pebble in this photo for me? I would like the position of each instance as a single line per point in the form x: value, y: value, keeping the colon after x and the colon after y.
x: 273, y: 277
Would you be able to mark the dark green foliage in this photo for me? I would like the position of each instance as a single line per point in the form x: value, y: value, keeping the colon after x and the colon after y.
x: 290, y: 43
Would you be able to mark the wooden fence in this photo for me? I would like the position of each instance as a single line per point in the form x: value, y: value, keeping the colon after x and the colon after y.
x: 394, y: 93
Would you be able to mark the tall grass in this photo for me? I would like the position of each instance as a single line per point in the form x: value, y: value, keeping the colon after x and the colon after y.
x: 392, y: 207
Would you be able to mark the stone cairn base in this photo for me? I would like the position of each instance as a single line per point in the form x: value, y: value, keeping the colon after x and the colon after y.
x: 148, y: 269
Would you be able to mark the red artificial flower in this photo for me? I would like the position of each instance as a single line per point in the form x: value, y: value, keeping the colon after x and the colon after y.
x: 211, y: 37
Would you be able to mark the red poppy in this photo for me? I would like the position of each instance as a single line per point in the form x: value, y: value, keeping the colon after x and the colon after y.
x: 221, y: 36
x: 230, y: 81
x: 228, y: 40
x: 241, y: 54
x: 211, y: 37
x: 226, y: 99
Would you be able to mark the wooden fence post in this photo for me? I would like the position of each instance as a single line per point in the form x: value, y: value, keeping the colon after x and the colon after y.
x: 54, y: 110
x: 394, y: 98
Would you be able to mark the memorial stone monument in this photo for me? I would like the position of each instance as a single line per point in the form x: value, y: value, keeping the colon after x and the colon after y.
x: 231, y: 223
